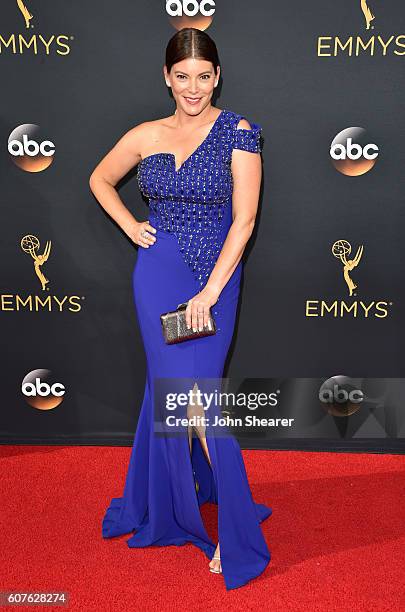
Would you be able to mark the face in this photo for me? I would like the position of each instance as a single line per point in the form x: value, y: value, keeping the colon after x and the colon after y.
x: 192, y: 82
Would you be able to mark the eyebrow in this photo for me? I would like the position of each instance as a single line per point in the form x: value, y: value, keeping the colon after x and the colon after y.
x: 182, y: 72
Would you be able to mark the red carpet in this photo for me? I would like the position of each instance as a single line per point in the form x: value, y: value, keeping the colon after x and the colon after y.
x: 337, y: 535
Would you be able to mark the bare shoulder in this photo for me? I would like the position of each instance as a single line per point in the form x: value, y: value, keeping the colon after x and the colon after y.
x: 244, y: 125
x: 138, y: 133
x: 146, y: 133
x: 147, y: 126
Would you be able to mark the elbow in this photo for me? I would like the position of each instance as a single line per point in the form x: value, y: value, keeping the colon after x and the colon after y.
x: 92, y: 180
x: 97, y: 179
x: 250, y: 226
x: 245, y: 225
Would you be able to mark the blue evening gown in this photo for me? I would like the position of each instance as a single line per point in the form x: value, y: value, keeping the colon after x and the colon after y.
x: 191, y: 208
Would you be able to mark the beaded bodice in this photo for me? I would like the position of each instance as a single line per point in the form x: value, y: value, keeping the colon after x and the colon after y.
x: 194, y: 202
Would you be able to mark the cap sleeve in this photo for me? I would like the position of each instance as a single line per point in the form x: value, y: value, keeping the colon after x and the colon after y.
x: 248, y: 139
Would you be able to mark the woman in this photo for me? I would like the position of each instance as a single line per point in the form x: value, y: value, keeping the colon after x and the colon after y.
x: 200, y: 169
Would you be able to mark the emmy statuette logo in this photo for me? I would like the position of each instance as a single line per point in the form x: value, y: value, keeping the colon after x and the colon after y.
x: 341, y: 249
x: 30, y: 244
x: 368, y: 15
x: 25, y: 13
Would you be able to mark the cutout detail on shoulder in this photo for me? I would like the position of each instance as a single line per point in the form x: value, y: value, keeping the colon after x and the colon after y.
x: 248, y: 139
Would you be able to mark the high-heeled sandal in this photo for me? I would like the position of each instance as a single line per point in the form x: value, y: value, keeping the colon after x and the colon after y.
x: 216, y: 571
x: 196, y: 483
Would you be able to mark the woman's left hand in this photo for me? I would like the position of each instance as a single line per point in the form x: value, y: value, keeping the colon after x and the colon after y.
x: 198, y: 308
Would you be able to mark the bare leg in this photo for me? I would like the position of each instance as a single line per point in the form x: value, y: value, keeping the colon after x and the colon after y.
x: 196, y: 409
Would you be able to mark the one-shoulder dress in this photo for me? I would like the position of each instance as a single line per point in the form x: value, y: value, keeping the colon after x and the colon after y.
x: 191, y: 209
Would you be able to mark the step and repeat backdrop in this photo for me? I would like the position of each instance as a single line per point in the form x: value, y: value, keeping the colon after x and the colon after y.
x: 320, y: 325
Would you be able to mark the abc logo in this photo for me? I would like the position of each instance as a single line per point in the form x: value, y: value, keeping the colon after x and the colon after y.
x: 351, y: 152
x: 178, y: 8
x: 28, y: 148
x: 41, y: 390
x: 340, y: 397
x: 190, y: 13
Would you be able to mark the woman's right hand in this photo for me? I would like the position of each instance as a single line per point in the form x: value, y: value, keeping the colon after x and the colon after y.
x: 141, y: 234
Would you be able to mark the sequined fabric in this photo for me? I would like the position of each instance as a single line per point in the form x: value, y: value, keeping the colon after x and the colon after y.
x: 194, y: 202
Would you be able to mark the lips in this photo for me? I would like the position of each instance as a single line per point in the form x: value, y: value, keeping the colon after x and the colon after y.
x: 192, y: 100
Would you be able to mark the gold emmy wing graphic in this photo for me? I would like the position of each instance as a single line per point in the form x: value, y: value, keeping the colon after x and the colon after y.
x: 26, y: 14
x: 341, y: 249
x: 30, y: 244
x: 368, y: 15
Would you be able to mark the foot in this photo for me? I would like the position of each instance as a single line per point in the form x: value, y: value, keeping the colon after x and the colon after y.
x: 215, y: 563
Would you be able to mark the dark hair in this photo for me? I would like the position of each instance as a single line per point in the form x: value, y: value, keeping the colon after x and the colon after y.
x: 191, y: 42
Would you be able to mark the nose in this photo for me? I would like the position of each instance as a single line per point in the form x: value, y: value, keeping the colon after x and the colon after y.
x: 193, y: 87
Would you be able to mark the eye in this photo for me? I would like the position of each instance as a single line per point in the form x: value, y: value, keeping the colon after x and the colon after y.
x: 206, y: 76
x: 180, y: 76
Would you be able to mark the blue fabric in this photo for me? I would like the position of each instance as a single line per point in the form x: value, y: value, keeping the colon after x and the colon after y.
x: 191, y: 207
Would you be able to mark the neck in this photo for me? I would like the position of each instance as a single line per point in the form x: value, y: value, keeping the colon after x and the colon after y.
x: 182, y: 119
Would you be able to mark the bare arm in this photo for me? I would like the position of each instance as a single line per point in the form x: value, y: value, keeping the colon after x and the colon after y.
x: 116, y: 164
x: 247, y: 174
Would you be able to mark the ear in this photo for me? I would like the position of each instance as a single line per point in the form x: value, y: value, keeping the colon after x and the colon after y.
x: 166, y: 75
x: 218, y: 73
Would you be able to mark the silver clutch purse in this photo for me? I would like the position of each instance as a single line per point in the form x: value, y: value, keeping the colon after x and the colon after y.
x: 175, y: 329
